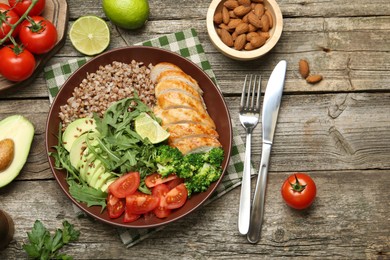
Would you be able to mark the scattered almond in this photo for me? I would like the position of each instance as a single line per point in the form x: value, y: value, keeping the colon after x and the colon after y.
x: 313, y: 79
x: 304, y: 69
x: 7, y: 151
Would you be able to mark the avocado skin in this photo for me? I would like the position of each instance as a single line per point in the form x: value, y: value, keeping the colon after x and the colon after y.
x: 21, y: 131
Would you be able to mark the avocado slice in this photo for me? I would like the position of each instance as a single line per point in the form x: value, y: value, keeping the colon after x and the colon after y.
x: 21, y: 132
x: 105, y: 186
x: 101, y: 180
x: 85, y: 166
x: 76, y: 129
x: 79, y: 146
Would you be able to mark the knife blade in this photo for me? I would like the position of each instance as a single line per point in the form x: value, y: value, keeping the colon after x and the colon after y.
x: 271, y: 105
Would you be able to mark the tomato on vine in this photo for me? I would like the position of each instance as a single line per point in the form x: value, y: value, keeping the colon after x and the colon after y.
x: 16, y: 63
x: 38, y: 34
x: 21, y: 6
x: 7, y: 18
x: 299, y: 191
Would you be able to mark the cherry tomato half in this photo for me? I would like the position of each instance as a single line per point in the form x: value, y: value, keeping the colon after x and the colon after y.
x: 16, y: 63
x: 176, y: 197
x: 156, y: 179
x: 141, y: 203
x: 21, y: 6
x: 299, y: 191
x: 7, y: 18
x: 125, y: 185
x: 115, y: 206
x: 161, y: 191
x: 38, y: 34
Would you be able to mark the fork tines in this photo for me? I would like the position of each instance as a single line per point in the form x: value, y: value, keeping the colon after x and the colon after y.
x: 250, y: 92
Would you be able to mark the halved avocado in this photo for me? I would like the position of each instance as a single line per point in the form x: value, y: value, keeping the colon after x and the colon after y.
x: 76, y: 129
x: 21, y: 132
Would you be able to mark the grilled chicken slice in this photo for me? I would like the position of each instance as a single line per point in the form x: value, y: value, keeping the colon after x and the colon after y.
x: 196, y: 144
x: 181, y: 76
x: 176, y: 85
x: 174, y: 99
x: 183, y: 115
x: 161, y: 67
x: 184, y: 130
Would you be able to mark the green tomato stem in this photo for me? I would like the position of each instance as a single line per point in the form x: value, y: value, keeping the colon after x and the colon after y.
x: 297, y: 186
x: 21, y: 19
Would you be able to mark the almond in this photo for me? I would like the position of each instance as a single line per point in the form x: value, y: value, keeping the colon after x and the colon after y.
x: 240, y: 41
x: 225, y: 15
x: 251, y: 28
x: 249, y: 47
x: 7, y: 152
x: 265, y: 34
x: 250, y: 35
x: 234, y: 23
x: 232, y: 15
x: 218, y: 17
x: 270, y: 20
x: 265, y: 23
x: 259, y: 10
x: 304, y: 69
x: 242, y: 28
x: 313, y: 79
x: 244, y: 2
x: 245, y: 18
x: 234, y: 35
x: 257, y: 1
x: 254, y: 20
x: 226, y: 37
x: 242, y: 10
x: 231, y: 4
x: 257, y: 41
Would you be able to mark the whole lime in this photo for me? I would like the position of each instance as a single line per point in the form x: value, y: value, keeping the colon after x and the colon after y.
x: 127, y: 14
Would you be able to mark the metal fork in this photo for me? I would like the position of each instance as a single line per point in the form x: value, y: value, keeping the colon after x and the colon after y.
x: 249, y: 117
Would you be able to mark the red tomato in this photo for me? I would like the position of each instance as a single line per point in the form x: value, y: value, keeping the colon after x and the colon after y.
x: 21, y: 6
x: 125, y: 185
x: 176, y: 197
x: 141, y: 203
x: 115, y: 206
x: 161, y: 191
x: 130, y: 217
x: 16, y: 63
x: 38, y: 35
x: 156, y: 179
x: 299, y: 191
x: 7, y: 18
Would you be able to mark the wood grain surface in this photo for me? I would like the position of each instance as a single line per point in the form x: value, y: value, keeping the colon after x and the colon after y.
x: 337, y: 130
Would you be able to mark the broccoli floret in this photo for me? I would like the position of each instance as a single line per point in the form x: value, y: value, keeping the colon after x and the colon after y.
x: 168, y: 159
x: 190, y: 165
x: 214, y: 157
x: 202, y: 179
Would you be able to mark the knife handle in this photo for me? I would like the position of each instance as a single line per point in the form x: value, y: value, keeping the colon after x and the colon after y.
x: 257, y: 213
x: 245, y: 195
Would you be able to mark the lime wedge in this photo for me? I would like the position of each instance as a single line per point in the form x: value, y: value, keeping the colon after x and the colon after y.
x: 90, y: 35
x: 146, y: 127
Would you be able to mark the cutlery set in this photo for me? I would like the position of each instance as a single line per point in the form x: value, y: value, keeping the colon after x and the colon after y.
x: 250, y: 218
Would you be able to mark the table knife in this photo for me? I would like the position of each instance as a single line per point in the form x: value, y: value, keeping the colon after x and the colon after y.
x: 271, y: 104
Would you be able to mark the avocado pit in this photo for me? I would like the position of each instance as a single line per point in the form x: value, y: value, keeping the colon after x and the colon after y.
x: 7, y: 153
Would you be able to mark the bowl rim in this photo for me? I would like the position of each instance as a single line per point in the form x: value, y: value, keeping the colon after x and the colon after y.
x: 59, y: 174
x: 243, y: 54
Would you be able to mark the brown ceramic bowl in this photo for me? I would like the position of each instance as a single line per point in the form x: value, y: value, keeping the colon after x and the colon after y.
x: 213, y: 98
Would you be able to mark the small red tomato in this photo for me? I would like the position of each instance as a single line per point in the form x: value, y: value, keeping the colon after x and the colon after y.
x: 21, y: 6
x: 16, y: 63
x: 115, y: 206
x: 156, y: 179
x: 176, y: 197
x: 38, y: 34
x: 299, y: 191
x: 7, y: 18
x: 125, y: 185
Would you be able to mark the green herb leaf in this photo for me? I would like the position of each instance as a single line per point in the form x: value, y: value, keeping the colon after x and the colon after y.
x: 87, y: 194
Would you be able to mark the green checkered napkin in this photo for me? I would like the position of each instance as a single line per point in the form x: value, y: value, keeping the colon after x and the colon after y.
x: 187, y: 44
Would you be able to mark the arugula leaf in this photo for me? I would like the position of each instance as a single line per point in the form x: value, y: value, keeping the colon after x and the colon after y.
x: 44, y: 246
x: 87, y: 194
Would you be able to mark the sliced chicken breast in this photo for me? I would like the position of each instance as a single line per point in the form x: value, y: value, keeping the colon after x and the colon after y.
x: 174, y: 99
x: 178, y: 115
x: 184, y: 130
x: 181, y: 76
x: 176, y: 85
x: 161, y: 67
x: 196, y: 144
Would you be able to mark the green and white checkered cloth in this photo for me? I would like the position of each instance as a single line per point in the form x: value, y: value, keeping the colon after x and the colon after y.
x: 187, y: 44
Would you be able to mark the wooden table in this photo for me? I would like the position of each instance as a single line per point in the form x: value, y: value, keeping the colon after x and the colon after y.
x: 337, y: 130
